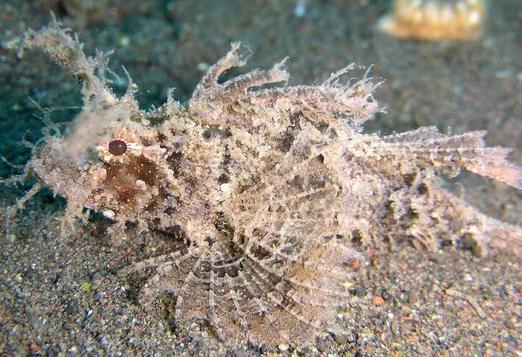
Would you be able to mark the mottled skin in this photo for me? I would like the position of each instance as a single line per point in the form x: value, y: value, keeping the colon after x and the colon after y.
x: 276, y: 189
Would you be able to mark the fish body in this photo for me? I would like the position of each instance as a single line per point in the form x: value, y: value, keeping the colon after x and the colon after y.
x: 276, y: 188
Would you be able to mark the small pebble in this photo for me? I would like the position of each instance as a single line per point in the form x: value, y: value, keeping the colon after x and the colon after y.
x: 442, y: 340
x: 358, y: 291
x: 124, y: 41
x: 71, y: 307
x: 283, y: 347
x: 378, y: 300
x: 345, y: 338
x: 203, y: 66
x: 385, y: 295
x: 11, y: 238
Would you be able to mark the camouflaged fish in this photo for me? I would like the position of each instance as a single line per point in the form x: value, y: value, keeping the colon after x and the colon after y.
x: 275, y: 187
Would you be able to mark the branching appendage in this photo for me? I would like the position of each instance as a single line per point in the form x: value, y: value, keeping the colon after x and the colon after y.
x: 14, y: 179
x: 341, y: 105
x: 209, y: 82
x: 19, y: 179
x: 67, y: 51
x: 20, y: 205
x: 209, y: 88
x: 102, y: 109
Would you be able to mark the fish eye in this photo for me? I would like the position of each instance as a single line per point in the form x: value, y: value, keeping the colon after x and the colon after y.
x: 117, y: 147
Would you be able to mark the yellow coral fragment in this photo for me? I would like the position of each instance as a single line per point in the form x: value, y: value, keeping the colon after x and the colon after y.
x: 431, y: 20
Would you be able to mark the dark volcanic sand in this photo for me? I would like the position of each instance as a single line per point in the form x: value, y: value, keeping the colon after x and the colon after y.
x: 63, y: 295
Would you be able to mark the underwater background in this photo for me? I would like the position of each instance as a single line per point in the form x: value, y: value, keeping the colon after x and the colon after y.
x: 61, y: 295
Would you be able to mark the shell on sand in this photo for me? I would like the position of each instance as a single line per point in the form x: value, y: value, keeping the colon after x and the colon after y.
x: 432, y: 20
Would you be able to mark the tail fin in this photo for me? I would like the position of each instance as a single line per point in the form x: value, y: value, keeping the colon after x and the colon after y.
x: 428, y: 147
